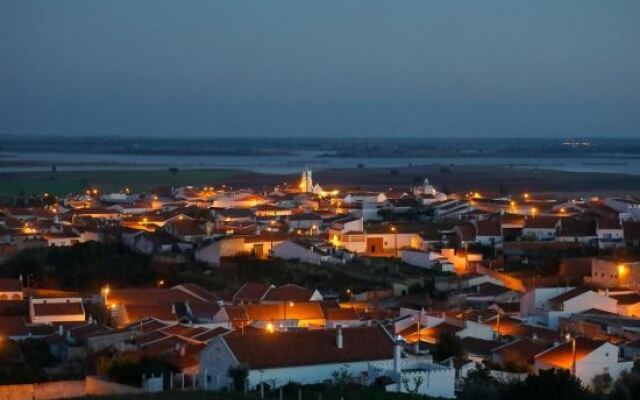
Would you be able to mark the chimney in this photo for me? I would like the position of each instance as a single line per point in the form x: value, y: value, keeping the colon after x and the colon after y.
x: 339, y: 343
x: 397, y: 353
x: 60, y: 330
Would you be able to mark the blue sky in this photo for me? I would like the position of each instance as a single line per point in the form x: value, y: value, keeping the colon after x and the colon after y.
x: 310, y: 68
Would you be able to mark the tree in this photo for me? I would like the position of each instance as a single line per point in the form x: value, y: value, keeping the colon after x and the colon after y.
x: 627, y: 386
x: 480, y: 385
x: 124, y: 370
x: 548, y: 385
x: 601, y: 385
x: 24, y: 361
x: 448, y: 345
x: 417, y: 381
x: 238, y: 375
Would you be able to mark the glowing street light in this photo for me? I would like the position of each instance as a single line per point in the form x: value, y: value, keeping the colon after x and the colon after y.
x: 105, y: 294
x: 270, y: 328
x: 395, y: 237
x: 573, y: 352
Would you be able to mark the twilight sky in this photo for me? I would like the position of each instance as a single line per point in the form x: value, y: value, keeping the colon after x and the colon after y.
x: 309, y: 68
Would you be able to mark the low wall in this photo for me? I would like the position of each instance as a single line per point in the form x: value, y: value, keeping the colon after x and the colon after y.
x: 43, y: 391
x: 96, y: 386
x: 91, y: 385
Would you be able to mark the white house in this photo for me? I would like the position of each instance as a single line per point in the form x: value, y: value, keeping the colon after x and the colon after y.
x: 606, y: 273
x: 416, y: 377
x: 259, y: 246
x: 304, y: 357
x: 575, y: 301
x: 48, y: 311
x: 488, y: 232
x: 610, y: 233
x: 540, y: 227
x: 592, y: 358
x: 534, y: 303
x: 10, y: 289
x: 629, y: 209
x: 312, y: 251
x: 426, y: 259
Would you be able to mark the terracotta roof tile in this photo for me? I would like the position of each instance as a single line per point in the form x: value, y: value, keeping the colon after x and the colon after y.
x: 287, y: 349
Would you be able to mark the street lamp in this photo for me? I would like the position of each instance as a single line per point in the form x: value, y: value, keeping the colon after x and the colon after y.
x: 573, y: 352
x: 270, y: 230
x: 622, y: 271
x: 105, y: 294
x: 395, y: 236
x: 350, y: 293
x: 286, y: 304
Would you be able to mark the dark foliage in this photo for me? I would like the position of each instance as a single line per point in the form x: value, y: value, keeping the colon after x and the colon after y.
x: 129, y: 372
x: 24, y: 362
x: 83, y: 266
x: 448, y: 345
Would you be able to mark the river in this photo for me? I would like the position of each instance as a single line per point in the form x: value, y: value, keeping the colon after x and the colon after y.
x: 33, y: 161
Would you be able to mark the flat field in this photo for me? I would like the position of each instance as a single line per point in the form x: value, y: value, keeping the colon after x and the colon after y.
x: 65, y: 182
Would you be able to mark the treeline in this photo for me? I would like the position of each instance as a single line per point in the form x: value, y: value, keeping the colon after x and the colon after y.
x: 551, y: 385
x: 85, y: 266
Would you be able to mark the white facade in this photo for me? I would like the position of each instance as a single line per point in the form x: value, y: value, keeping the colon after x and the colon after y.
x: 579, y: 303
x: 609, y: 274
x: 55, y: 317
x: 290, y: 250
x: 216, y: 359
x: 534, y: 303
x: 603, y: 360
x: 539, y: 233
x: 417, y: 377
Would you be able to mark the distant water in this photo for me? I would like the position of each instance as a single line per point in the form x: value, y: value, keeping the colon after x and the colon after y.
x: 293, y: 163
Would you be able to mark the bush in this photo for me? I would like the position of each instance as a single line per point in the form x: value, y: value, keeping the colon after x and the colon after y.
x: 123, y: 370
x: 238, y: 375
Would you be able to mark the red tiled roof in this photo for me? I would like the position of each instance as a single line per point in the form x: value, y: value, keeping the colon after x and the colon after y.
x: 299, y: 311
x: 341, y: 314
x: 562, y: 355
x: 521, y: 351
x: 488, y: 228
x: 12, y: 326
x: 48, y: 309
x: 162, y: 312
x: 561, y: 298
x: 627, y: 298
x: 288, y: 349
x: 541, y: 222
x: 10, y: 285
x: 430, y: 334
x: 289, y: 292
x: 252, y: 291
x: 150, y: 296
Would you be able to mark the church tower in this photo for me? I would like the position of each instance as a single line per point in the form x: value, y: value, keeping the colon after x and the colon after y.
x: 306, y: 182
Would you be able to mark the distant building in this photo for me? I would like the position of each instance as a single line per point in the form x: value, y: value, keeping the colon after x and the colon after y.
x: 49, y: 311
x: 304, y: 357
x: 592, y: 358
